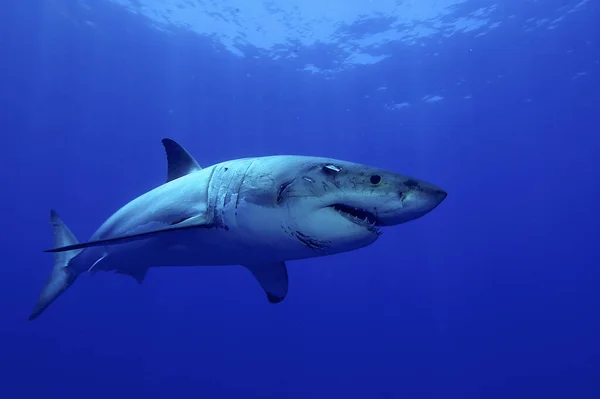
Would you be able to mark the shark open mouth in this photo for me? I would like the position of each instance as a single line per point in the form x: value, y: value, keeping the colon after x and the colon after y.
x: 358, y: 216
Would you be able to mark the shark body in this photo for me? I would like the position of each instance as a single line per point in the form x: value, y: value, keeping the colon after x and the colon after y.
x: 255, y: 212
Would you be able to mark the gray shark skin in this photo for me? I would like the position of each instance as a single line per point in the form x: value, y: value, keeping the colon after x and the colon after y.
x: 254, y: 212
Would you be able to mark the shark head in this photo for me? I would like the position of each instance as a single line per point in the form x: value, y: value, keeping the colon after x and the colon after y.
x: 338, y: 206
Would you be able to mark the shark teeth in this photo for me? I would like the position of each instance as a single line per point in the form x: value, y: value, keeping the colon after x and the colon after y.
x: 358, y: 216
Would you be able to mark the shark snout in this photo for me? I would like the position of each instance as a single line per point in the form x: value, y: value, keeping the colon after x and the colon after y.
x: 439, y: 195
x: 423, y: 198
x: 414, y: 203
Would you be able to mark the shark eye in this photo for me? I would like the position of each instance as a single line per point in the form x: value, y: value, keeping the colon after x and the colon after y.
x: 375, y: 179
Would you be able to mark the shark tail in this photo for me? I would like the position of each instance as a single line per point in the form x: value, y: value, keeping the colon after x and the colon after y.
x: 62, y: 276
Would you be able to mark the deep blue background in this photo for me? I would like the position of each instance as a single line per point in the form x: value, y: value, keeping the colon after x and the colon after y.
x: 492, y: 295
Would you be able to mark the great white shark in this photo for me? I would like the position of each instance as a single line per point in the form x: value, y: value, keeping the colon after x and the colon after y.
x: 255, y: 212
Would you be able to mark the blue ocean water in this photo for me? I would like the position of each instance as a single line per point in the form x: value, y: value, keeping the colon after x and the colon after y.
x: 492, y: 295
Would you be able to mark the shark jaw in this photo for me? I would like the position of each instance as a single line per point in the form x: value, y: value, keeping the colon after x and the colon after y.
x: 359, y: 217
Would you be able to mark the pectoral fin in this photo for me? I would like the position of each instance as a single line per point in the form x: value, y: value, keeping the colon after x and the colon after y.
x: 273, y: 278
x: 195, y: 222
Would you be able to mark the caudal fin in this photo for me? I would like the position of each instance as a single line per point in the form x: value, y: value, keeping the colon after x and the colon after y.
x: 62, y: 276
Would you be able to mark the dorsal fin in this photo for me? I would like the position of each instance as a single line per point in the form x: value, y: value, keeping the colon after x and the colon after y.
x: 179, y: 161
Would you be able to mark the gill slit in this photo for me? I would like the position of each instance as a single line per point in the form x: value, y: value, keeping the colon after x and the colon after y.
x: 237, y: 200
